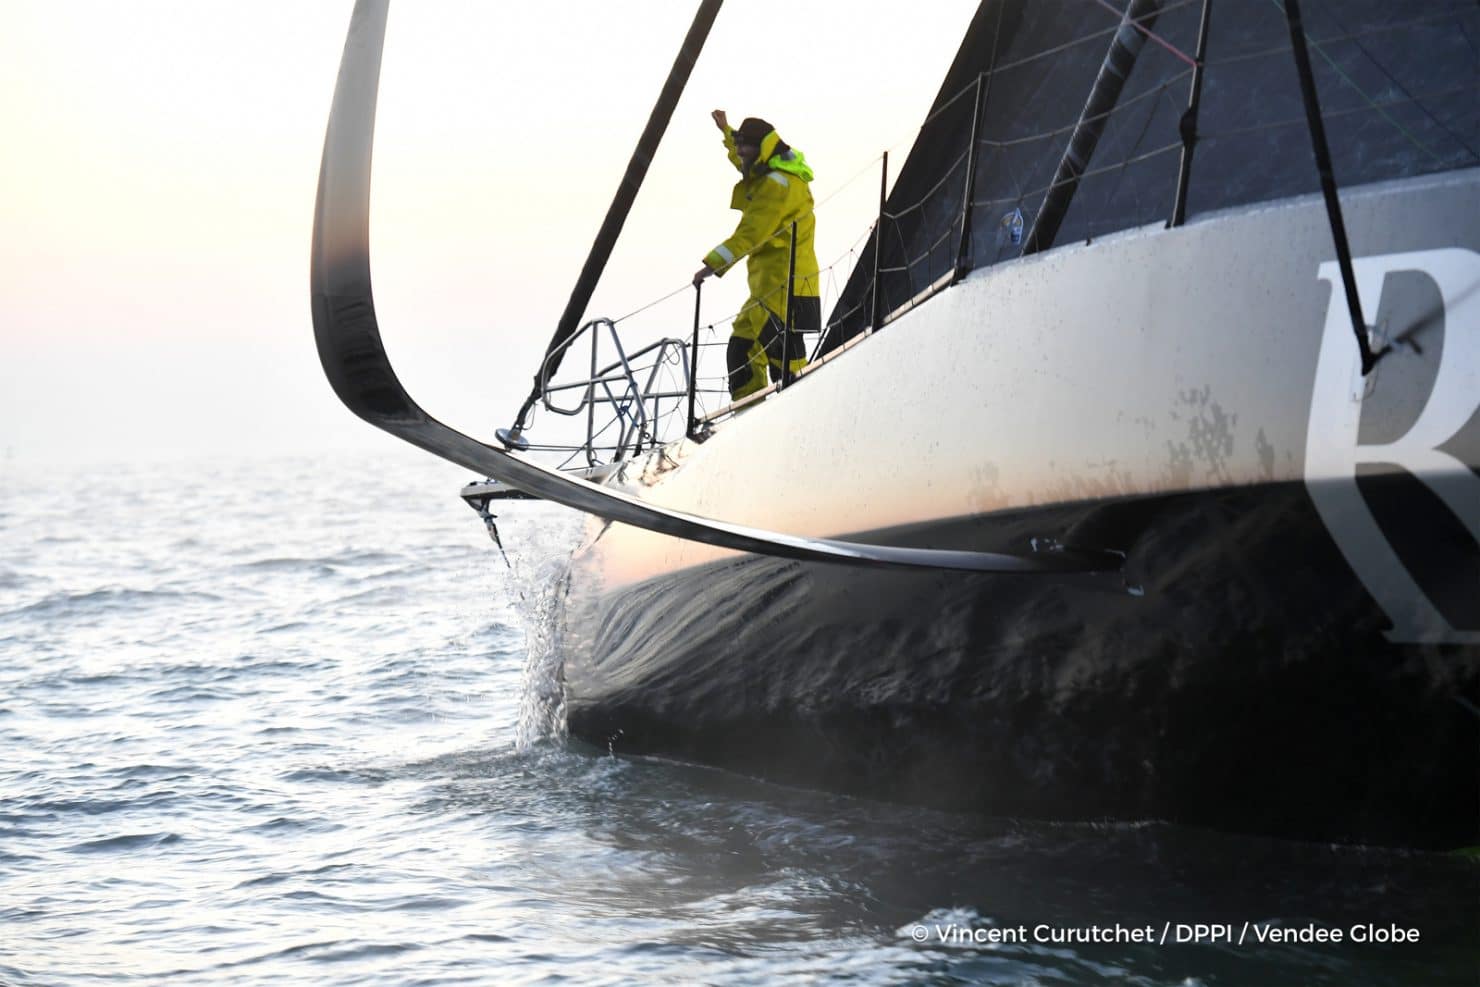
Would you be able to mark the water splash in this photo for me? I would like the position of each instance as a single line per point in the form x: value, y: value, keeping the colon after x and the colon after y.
x: 540, y: 577
x: 542, y: 684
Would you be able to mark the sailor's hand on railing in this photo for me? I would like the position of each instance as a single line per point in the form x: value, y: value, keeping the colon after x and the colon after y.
x: 720, y: 120
x: 702, y: 272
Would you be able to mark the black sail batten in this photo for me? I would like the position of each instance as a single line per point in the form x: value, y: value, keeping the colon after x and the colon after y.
x: 356, y: 364
x: 1120, y: 59
x: 616, y: 214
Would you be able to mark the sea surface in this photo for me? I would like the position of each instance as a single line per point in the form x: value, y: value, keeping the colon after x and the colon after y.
x: 297, y: 722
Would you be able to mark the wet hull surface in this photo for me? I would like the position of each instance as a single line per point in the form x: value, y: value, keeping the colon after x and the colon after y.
x: 1293, y: 647
x: 1245, y: 684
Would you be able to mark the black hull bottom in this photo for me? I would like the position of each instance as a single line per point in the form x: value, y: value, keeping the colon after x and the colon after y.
x: 1248, y: 687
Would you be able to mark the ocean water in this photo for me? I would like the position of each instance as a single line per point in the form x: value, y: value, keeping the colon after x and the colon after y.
x: 297, y: 722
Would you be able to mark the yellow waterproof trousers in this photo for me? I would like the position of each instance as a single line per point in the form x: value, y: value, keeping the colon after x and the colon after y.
x: 757, y: 342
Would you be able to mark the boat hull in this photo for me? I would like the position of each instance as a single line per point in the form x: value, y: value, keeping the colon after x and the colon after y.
x: 1250, y: 687
x: 1265, y: 662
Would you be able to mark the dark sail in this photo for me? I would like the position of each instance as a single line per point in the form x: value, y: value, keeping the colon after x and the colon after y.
x: 1398, y: 86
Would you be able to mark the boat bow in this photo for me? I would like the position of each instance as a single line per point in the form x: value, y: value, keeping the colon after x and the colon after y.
x: 355, y: 361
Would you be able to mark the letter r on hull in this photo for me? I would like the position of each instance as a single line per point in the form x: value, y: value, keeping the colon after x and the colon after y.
x: 1332, y: 453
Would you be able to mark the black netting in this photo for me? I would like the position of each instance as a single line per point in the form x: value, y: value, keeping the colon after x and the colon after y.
x: 1132, y: 177
x: 1398, y: 84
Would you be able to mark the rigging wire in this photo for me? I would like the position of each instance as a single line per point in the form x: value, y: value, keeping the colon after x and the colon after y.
x: 818, y: 205
x: 1126, y: 162
x: 1362, y: 93
x: 1404, y: 90
x: 1385, y: 29
x: 867, y: 168
x: 1150, y: 34
x: 829, y: 275
x: 621, y: 205
x: 1322, y: 153
x: 1333, y: 114
x: 935, y: 113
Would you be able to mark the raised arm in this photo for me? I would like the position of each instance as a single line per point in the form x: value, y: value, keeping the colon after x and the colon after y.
x: 723, y: 123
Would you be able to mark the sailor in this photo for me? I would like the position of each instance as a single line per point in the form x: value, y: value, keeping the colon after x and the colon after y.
x: 772, y: 194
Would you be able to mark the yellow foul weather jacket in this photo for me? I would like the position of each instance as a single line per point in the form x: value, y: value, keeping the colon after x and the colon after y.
x: 773, y: 195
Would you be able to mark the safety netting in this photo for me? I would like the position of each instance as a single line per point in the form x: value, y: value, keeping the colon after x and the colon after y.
x: 1061, y: 121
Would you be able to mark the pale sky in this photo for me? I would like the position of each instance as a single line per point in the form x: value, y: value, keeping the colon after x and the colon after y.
x: 159, y: 159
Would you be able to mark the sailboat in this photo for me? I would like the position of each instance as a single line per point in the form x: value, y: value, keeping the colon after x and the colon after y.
x: 1136, y: 472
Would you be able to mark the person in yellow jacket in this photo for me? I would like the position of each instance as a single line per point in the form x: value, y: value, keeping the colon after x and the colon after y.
x: 772, y: 193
